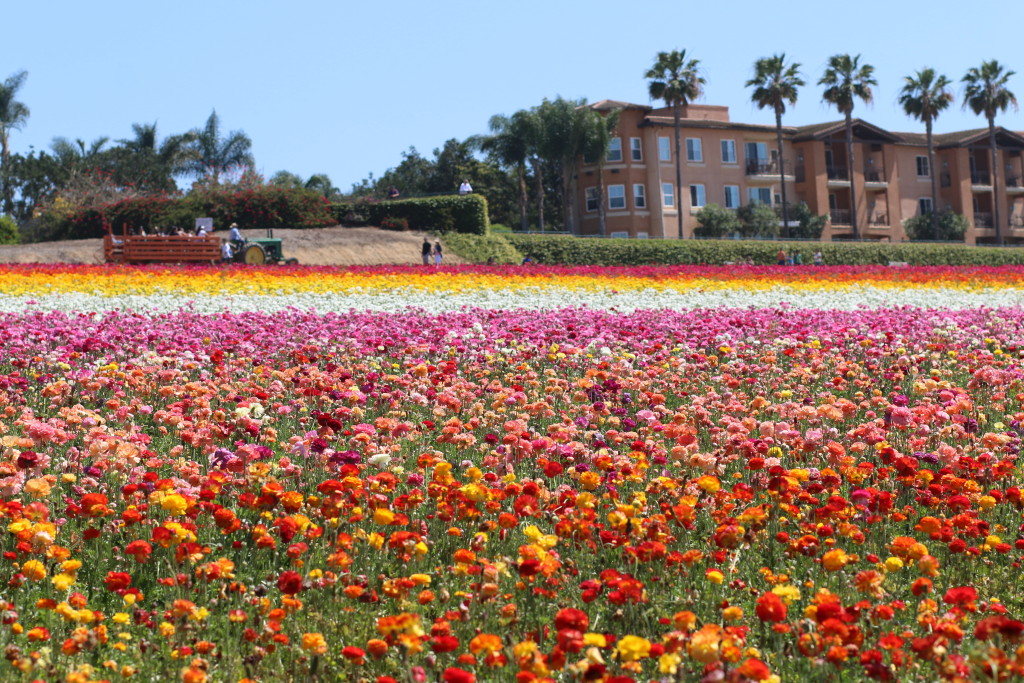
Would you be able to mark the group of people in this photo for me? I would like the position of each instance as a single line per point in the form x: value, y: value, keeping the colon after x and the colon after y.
x: 434, y: 251
x: 795, y: 258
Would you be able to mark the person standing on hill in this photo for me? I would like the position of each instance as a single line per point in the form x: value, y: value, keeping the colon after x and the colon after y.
x: 426, y: 251
x: 437, y: 253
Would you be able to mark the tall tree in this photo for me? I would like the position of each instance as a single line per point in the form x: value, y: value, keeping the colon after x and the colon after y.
x: 985, y: 92
x: 321, y: 183
x: 677, y: 81
x: 75, y: 157
x: 214, y: 153
x: 846, y: 80
x: 924, y: 96
x: 563, y: 125
x: 597, y: 134
x: 172, y: 154
x: 509, y: 145
x: 13, y: 115
x: 774, y: 85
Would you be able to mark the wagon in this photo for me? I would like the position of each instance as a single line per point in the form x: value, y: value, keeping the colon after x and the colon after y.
x: 160, y: 248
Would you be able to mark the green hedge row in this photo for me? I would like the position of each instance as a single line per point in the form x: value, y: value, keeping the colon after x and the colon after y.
x: 480, y: 248
x: 566, y: 250
x: 448, y: 213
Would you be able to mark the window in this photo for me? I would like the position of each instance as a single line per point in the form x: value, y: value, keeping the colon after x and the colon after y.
x: 732, y: 196
x: 641, y: 235
x: 668, y: 194
x: 616, y: 196
x: 664, y: 150
x: 697, y: 197
x: 591, y: 193
x: 614, y: 150
x: 759, y: 195
x: 619, y: 235
x: 924, y: 204
x: 635, y: 151
x: 694, y: 152
x: 922, y: 167
x: 756, y: 151
x: 728, y: 151
x: 639, y: 197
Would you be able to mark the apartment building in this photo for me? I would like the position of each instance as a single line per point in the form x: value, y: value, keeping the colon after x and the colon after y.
x: 732, y: 164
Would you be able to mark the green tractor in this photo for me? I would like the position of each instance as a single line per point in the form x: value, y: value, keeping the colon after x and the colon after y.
x: 260, y: 250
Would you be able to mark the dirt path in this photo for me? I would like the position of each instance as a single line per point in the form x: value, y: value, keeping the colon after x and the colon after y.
x: 316, y: 247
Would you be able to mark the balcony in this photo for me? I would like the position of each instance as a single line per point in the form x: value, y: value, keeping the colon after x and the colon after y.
x: 1014, y: 184
x: 878, y: 220
x: 874, y: 177
x: 840, y: 217
x: 981, y: 179
x: 838, y: 173
x: 983, y: 219
x: 768, y: 170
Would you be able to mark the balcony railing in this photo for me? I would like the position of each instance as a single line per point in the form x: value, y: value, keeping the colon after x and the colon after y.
x: 1016, y: 221
x: 837, y: 173
x: 983, y: 219
x: 980, y: 178
x: 840, y: 216
x: 878, y: 219
x: 767, y: 167
x: 873, y: 175
x: 1014, y: 181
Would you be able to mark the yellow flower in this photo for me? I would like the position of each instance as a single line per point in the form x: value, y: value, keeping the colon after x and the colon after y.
x: 893, y: 564
x: 63, y: 581
x: 175, y: 504
x: 632, y: 648
x: 315, y: 643
x: 595, y: 640
x: 715, y: 576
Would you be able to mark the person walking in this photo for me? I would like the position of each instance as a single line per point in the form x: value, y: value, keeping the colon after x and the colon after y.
x: 437, y: 253
x: 426, y: 251
x: 817, y: 258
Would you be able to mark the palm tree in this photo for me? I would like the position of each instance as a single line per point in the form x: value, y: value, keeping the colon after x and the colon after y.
x: 675, y: 80
x: 774, y: 85
x: 923, y: 96
x: 510, y: 145
x: 13, y: 115
x: 847, y: 80
x: 597, y: 135
x: 563, y: 129
x: 172, y: 156
x: 73, y: 157
x: 985, y: 92
x: 214, y: 154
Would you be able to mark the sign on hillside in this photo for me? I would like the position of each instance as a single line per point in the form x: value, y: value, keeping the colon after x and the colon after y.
x: 204, y: 223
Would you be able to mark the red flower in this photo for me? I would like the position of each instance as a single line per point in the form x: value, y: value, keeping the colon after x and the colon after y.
x: 770, y: 607
x: 964, y: 595
x: 140, y: 550
x: 456, y: 675
x: 116, y: 581
x: 290, y: 583
x: 571, y: 618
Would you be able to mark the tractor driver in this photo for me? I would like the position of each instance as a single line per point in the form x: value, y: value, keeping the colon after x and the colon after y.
x: 235, y: 238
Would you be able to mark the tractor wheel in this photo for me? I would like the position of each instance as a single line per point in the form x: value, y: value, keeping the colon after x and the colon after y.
x: 254, y: 255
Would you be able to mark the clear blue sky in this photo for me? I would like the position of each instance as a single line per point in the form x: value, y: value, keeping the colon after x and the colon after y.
x: 344, y: 87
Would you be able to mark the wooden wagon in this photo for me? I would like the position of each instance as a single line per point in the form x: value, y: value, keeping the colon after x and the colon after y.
x: 160, y: 248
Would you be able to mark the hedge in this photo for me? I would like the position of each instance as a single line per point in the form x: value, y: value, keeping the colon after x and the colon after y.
x: 480, y: 248
x: 567, y: 250
x: 448, y: 213
x: 254, y: 209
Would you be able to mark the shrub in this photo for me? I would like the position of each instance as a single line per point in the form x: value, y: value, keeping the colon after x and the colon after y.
x: 758, y: 220
x: 716, y: 221
x: 810, y: 225
x: 8, y: 230
x: 952, y: 227
x: 580, y: 251
x: 448, y: 213
x: 480, y: 248
x: 392, y: 223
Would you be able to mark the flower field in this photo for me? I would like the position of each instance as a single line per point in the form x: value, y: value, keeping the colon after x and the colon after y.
x: 568, y: 474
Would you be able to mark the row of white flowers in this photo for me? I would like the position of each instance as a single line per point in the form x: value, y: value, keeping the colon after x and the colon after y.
x: 524, y: 298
